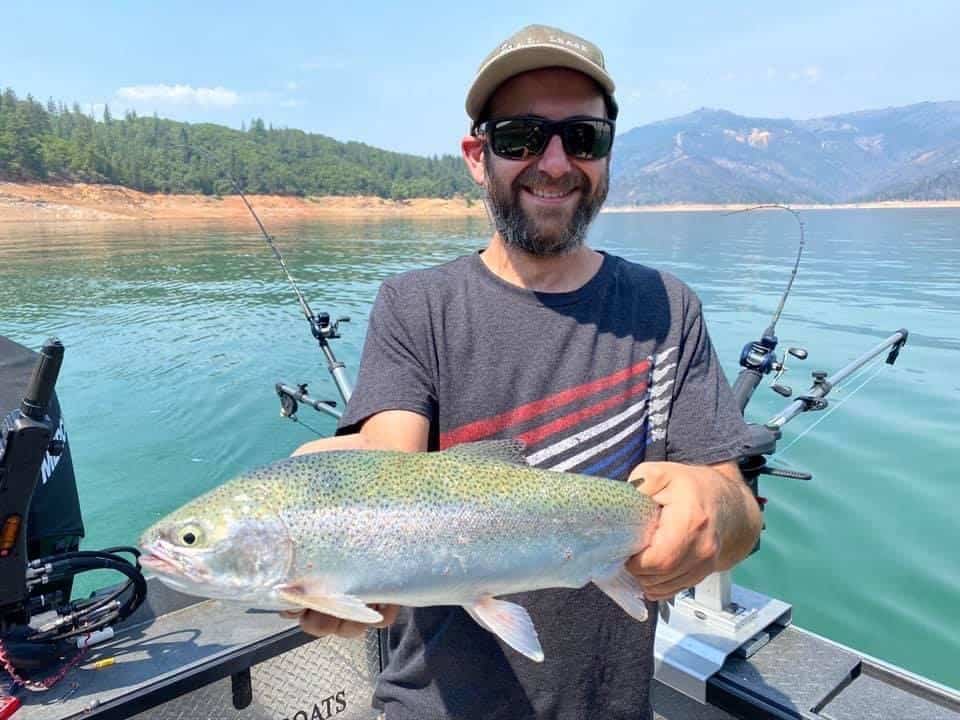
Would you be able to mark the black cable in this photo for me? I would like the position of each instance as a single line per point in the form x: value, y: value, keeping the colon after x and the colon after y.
x: 82, y: 614
x: 76, y: 563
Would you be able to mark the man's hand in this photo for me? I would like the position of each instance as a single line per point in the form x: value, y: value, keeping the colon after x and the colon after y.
x: 321, y: 625
x: 709, y: 522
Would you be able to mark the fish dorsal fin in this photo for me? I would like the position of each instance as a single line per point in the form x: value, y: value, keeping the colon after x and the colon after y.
x: 505, y: 451
x: 510, y: 622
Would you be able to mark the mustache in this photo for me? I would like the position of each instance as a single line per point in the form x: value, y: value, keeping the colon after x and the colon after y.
x: 535, y: 179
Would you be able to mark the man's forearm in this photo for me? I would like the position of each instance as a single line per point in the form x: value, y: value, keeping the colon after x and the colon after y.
x: 739, y: 519
x: 355, y: 441
x: 387, y: 430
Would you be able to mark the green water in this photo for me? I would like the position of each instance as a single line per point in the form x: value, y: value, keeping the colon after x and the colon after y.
x: 176, y: 337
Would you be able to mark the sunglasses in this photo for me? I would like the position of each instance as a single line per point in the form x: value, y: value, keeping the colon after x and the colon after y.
x: 526, y: 137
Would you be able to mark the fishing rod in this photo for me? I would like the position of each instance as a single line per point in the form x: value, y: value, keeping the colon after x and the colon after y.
x: 322, y: 329
x: 758, y: 358
x: 815, y: 399
x: 740, y: 621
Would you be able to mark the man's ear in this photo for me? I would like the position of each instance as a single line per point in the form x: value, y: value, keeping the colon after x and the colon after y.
x: 472, y: 148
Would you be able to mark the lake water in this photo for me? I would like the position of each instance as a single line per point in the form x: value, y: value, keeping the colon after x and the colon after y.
x: 175, y: 337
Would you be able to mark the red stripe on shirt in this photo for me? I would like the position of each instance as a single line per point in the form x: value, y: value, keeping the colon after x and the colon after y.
x: 486, y: 427
x: 567, y: 421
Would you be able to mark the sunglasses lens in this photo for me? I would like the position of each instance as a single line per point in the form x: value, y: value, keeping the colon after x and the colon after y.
x: 524, y: 138
x: 517, y: 139
x: 587, y: 139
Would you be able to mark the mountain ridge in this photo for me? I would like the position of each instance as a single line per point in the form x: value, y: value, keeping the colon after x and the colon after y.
x: 709, y: 155
x: 713, y: 155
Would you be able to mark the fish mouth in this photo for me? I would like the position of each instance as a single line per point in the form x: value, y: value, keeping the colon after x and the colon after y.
x: 158, y: 564
x: 161, y: 560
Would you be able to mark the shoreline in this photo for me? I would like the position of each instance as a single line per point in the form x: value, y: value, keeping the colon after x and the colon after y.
x: 82, y: 202
x: 734, y: 207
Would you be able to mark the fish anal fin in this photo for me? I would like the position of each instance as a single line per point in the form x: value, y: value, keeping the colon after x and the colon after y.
x: 506, y: 451
x: 308, y: 595
x: 624, y: 589
x: 509, y: 622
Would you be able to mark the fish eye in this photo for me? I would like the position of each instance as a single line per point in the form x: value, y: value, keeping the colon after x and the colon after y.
x: 190, y: 535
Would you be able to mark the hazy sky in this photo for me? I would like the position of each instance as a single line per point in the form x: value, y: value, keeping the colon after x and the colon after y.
x: 394, y: 75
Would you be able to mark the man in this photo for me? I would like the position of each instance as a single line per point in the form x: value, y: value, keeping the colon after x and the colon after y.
x: 601, y: 366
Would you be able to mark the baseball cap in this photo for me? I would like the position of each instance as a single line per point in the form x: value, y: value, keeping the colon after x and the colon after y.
x: 532, y: 48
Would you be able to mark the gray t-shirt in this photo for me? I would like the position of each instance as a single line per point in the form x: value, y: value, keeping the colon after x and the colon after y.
x: 594, y: 381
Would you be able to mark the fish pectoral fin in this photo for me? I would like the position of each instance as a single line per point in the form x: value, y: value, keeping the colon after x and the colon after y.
x: 506, y: 451
x: 509, y: 622
x: 623, y: 588
x: 347, y: 607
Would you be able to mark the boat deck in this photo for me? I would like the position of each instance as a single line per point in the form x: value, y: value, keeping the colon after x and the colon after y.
x: 174, y: 659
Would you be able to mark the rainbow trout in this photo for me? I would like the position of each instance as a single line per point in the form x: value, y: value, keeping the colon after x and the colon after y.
x: 335, y: 531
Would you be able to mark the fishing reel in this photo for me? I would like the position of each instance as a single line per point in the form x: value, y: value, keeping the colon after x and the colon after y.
x: 761, y: 357
x: 292, y: 395
x: 780, y: 367
x: 323, y: 328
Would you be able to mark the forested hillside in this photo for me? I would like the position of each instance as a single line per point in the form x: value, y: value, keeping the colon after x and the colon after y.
x: 51, y: 142
x: 712, y: 156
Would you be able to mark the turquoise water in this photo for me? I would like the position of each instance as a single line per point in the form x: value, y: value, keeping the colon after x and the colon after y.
x: 175, y: 338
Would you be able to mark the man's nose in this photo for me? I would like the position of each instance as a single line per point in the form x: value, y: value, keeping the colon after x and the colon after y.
x: 554, y: 161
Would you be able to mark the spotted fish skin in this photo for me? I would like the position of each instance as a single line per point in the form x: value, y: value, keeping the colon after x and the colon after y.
x: 338, y: 530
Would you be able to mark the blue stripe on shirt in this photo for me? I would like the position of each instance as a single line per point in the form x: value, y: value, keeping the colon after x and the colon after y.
x: 637, y: 441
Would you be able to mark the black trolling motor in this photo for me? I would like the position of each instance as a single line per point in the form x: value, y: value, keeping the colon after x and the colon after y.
x: 40, y: 627
x: 26, y: 436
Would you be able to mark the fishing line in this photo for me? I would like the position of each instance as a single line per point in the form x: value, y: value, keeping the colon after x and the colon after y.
x: 796, y: 265
x: 879, y: 366
x: 311, y: 318
x: 308, y: 427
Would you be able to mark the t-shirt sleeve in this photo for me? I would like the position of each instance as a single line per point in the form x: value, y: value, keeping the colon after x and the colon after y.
x: 705, y: 425
x: 394, y: 370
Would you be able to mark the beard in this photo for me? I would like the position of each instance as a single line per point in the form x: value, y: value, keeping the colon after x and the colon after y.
x: 550, y: 235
